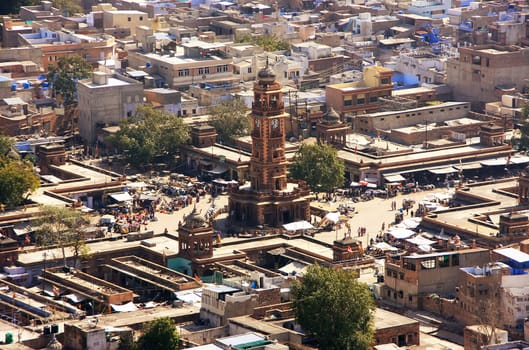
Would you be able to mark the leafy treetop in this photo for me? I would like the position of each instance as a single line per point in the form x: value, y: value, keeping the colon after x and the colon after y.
x: 269, y: 43
x: 17, y: 177
x: 65, y: 74
x: 230, y: 119
x: 61, y: 226
x: 159, y: 335
x: 333, y: 306
x: 319, y: 166
x: 150, y: 133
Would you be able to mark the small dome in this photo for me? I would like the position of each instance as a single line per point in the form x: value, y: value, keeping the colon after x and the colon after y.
x: 54, y: 344
x: 194, y: 219
x: 266, y: 73
x: 331, y: 117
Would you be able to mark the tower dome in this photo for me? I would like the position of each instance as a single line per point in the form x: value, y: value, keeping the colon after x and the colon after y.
x: 267, y: 74
x: 331, y: 117
x: 194, y: 219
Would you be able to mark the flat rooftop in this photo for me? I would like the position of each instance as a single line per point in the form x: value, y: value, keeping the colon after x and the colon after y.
x: 112, y: 82
x: 460, y: 217
x: 387, y: 319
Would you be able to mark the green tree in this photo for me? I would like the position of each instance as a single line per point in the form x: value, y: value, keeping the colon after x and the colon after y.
x: 64, y: 76
x: 148, y: 134
x: 17, y: 179
x: 6, y: 145
x: 319, y: 166
x: 269, y: 43
x: 68, y: 7
x: 230, y: 119
x: 63, y: 227
x: 13, y: 6
x: 160, y: 334
x: 334, y: 307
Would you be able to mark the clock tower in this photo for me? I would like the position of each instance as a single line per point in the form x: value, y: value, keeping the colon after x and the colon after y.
x: 269, y: 199
x: 268, y: 166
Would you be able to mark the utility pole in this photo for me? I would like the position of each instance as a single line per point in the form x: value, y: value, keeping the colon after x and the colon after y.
x: 425, y: 134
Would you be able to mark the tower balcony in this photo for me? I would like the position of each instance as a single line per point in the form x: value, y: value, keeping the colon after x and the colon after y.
x: 265, y: 109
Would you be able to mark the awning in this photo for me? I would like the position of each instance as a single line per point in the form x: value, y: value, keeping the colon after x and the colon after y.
x: 401, y: 233
x: 148, y: 197
x: 469, y: 166
x: 494, y: 162
x: 121, y: 197
x: 75, y: 298
x: 385, y: 247
x: 441, y: 171
x: 334, y: 217
x: 294, y: 268
x: 298, y: 225
x: 128, y: 307
x: 419, y: 240
x: 372, y: 180
x: 513, y: 254
x: 224, y: 182
x: 140, y: 184
x: 519, y: 159
x: 394, y: 178
x: 190, y: 296
x: 23, y: 230
x: 219, y: 169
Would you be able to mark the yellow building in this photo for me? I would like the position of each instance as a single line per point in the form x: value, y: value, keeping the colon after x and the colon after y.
x: 125, y: 19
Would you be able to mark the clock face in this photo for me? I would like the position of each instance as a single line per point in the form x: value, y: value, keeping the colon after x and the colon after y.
x: 275, y: 123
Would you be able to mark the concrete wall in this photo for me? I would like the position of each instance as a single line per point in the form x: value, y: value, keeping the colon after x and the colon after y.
x: 126, y: 19
x: 394, y: 120
x: 106, y: 104
x: 33, y: 54
x: 477, y: 72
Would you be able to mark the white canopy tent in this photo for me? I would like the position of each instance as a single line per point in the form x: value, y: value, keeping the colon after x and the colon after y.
x: 420, y: 241
x: 121, y: 197
x: 401, y: 233
x: 385, y: 247
x: 334, y: 217
x: 298, y: 225
x: 128, y: 307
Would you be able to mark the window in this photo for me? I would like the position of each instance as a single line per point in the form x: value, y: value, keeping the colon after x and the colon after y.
x: 476, y: 59
x: 194, y: 111
x: 444, y: 261
x: 360, y: 101
x: 129, y: 19
x: 249, y: 69
x: 409, y: 265
x: 219, y: 69
x: 206, y: 70
x: 373, y: 99
x: 141, y: 18
x: 200, y: 71
x: 455, y: 260
x: 183, y: 72
x: 347, y: 101
x: 428, y: 264
x: 385, y: 81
